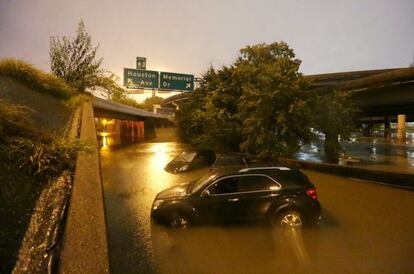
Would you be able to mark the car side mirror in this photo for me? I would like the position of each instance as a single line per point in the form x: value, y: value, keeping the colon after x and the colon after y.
x: 206, y: 194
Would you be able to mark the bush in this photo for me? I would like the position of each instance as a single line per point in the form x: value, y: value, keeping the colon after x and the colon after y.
x: 35, y: 78
x: 45, y: 159
x: 36, y: 152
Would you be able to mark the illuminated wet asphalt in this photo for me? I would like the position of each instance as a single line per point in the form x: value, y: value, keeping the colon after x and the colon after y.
x: 372, y: 153
x: 368, y: 228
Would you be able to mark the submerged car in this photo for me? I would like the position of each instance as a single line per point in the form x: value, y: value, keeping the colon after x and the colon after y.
x: 191, y: 160
x: 282, y: 195
x: 238, y: 159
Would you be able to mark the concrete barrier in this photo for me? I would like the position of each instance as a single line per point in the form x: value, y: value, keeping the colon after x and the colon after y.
x: 85, y: 247
x: 400, y: 180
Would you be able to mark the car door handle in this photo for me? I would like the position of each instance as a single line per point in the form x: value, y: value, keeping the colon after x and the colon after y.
x: 233, y: 199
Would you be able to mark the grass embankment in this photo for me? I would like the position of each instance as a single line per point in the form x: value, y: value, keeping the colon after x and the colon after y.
x: 29, y: 157
x: 35, y: 78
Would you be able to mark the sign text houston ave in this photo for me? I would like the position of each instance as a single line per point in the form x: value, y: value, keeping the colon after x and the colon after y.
x: 135, y: 78
x: 176, y: 81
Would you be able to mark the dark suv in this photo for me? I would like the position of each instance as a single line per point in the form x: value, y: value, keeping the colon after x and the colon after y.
x: 284, y: 196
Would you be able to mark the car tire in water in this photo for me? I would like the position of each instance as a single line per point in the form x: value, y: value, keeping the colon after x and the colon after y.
x: 289, y: 219
x: 178, y: 220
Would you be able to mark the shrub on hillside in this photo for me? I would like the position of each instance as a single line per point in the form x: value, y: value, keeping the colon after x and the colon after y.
x: 35, y: 78
x: 36, y: 152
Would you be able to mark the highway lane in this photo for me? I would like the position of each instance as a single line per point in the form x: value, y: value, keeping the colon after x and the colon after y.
x: 368, y: 228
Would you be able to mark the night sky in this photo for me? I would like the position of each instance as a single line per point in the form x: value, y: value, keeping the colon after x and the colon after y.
x: 189, y: 36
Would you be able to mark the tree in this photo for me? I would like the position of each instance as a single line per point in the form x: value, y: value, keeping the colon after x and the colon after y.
x: 149, y: 103
x: 261, y: 104
x: 210, y: 118
x: 333, y: 115
x: 274, y: 106
x: 255, y: 105
x: 74, y: 61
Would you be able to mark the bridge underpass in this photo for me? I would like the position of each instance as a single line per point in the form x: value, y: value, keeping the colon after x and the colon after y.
x: 119, y: 124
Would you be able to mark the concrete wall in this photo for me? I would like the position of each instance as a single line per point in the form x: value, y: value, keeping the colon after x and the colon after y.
x: 85, y: 247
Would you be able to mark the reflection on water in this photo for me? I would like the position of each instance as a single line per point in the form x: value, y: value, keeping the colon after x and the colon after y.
x: 229, y: 249
x: 373, y: 153
x: 115, y: 132
x: 294, y: 240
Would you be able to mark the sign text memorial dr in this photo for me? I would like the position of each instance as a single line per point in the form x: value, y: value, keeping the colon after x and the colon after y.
x: 176, y: 81
x: 136, y: 78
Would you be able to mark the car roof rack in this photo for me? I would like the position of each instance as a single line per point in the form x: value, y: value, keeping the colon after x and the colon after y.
x: 264, y: 168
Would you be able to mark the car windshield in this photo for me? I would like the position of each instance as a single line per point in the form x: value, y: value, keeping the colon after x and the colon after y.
x: 201, y: 182
x: 185, y: 156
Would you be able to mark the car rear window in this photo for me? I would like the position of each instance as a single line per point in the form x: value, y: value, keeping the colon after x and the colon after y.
x: 294, y: 177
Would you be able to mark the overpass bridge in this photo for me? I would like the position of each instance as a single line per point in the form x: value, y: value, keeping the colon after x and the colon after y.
x: 376, y: 92
x: 381, y: 95
x: 117, y: 123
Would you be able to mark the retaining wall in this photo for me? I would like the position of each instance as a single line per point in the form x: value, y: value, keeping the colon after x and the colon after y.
x: 85, y: 247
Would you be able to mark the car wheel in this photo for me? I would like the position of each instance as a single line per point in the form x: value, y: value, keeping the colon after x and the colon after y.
x: 290, y: 218
x: 179, y: 221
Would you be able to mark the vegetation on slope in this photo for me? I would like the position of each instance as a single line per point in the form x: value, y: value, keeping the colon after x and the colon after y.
x: 29, y: 158
x: 35, y: 78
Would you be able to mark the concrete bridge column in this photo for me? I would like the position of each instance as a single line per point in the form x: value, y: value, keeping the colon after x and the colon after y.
x: 401, y: 129
x: 367, y: 129
x: 387, y: 127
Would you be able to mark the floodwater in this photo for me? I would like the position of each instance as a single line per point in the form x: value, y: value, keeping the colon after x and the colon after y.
x: 372, y: 153
x: 367, y: 228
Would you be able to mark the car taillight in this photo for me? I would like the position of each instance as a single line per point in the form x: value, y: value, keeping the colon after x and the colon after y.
x: 312, y: 193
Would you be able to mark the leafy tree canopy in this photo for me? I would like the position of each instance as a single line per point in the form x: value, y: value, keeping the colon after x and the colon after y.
x: 149, y: 103
x: 254, y: 105
x: 259, y: 104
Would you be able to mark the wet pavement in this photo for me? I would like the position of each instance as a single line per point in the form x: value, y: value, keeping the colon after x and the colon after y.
x: 368, y: 228
x: 371, y: 153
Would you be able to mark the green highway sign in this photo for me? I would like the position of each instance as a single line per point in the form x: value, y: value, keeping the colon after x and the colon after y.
x: 138, y: 78
x: 176, y: 81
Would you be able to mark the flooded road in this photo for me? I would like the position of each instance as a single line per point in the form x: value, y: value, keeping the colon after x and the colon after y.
x: 371, y: 153
x: 368, y: 228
